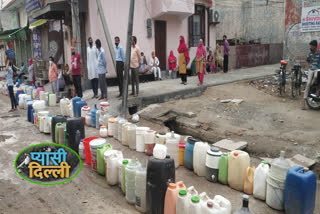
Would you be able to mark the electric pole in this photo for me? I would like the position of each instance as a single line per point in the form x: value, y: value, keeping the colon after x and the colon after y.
x: 127, y: 63
x: 76, y: 25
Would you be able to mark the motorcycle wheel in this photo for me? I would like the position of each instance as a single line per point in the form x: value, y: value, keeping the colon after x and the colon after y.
x: 313, y: 104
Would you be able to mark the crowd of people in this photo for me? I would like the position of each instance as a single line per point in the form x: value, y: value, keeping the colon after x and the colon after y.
x: 97, y: 68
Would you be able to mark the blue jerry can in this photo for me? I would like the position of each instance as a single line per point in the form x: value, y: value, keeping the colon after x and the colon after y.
x: 300, y: 191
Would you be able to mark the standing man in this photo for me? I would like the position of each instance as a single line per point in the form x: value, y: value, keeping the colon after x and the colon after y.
x: 226, y: 54
x: 134, y: 66
x: 76, y: 64
x: 102, y: 70
x: 92, y: 57
x: 53, y: 76
x: 120, y: 59
x: 313, y: 65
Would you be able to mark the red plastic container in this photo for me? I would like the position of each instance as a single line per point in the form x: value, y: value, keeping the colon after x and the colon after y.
x: 86, y: 143
x: 149, y: 149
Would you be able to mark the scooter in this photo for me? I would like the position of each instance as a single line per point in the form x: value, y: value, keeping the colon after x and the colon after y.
x: 313, y: 99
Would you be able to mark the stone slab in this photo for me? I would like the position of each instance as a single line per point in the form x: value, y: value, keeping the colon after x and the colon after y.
x: 297, y: 160
x: 230, y: 145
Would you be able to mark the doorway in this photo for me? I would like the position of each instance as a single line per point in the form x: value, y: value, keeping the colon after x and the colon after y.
x: 160, y: 36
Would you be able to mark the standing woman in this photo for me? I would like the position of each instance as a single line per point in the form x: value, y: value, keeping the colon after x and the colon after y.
x: 183, y: 60
x: 31, y: 72
x: 172, y: 61
x: 10, y: 87
x: 200, y: 61
x: 53, y: 76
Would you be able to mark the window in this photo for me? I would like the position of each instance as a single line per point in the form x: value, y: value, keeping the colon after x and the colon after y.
x: 197, y: 26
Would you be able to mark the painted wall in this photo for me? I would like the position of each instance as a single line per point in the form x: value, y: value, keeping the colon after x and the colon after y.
x: 251, y: 20
x: 119, y: 9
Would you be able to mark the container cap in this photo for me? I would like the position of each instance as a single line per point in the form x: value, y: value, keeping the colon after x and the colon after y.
x: 100, y: 147
x: 183, y: 192
x: 264, y: 162
x: 125, y: 162
x: 192, y: 140
x: 103, y: 127
x: 236, y: 154
x: 210, y: 204
x: 195, y: 199
x: 281, y: 162
x: 182, y: 145
x: 214, y: 149
x: 172, y: 185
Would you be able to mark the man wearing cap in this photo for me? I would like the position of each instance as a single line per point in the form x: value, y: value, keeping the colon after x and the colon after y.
x: 76, y: 63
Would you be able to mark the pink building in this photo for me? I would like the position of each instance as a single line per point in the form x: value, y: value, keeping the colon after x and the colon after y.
x: 167, y: 19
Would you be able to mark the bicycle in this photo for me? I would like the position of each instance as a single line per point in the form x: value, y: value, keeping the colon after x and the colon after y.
x: 296, y: 80
x: 282, y: 77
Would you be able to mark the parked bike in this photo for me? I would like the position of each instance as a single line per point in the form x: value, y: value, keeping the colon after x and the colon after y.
x: 313, y: 99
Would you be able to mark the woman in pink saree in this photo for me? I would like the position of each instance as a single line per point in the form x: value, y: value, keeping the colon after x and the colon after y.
x: 201, y: 61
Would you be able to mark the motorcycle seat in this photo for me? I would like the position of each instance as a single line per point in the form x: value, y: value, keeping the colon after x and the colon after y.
x: 283, y: 62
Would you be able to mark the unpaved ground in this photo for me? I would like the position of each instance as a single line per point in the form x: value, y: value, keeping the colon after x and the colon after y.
x: 268, y: 123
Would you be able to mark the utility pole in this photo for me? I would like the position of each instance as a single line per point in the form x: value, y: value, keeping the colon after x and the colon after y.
x: 127, y: 63
x: 76, y: 25
x: 107, y: 33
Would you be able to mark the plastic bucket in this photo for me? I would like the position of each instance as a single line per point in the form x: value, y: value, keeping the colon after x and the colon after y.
x: 87, y: 151
x: 275, y: 193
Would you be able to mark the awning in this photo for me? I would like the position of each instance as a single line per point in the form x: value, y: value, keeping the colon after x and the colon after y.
x: 6, y: 35
x: 54, y: 10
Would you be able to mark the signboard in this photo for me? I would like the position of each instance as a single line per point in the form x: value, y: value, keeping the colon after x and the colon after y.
x: 310, y: 19
x: 31, y: 7
x: 36, y: 35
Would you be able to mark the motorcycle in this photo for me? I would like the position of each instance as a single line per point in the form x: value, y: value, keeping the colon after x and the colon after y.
x: 313, y: 99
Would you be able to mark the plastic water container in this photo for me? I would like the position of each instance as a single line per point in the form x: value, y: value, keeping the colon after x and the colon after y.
x: 124, y: 139
x: 56, y: 119
x: 74, y: 101
x: 93, y: 148
x: 111, y: 159
x: 194, y: 205
x: 87, y: 151
x: 203, y: 199
x: 219, y: 205
x: 41, y: 126
x: 149, y: 142
x: 39, y: 89
x: 101, y: 169
x: 212, y: 164
x: 140, y: 132
x: 104, y: 106
x: 34, y: 93
x: 123, y: 175
x: 98, y: 119
x: 160, y: 151
x: 181, y: 203
x: 172, y: 143
x: 21, y: 97
x: 121, y: 122
x: 25, y: 101
x: 64, y: 102
x: 300, y: 191
x: 29, y: 111
x: 93, y: 116
x: 78, y: 107
x: 182, y: 147
x: 74, y: 125
x: 103, y: 132
x: 112, y: 127
x: 131, y: 180
x: 171, y: 197
x: 188, y: 153
x: 245, y: 206
x: 238, y: 163
x: 81, y: 150
x: 70, y: 110
x: 131, y: 135
x: 260, y: 181
x: 42, y: 96
x: 19, y: 91
x: 276, y: 182
x: 52, y: 100
x: 159, y: 174
x: 160, y: 138
x: 84, y: 111
x: 199, y: 158
x: 191, y: 191
x: 141, y: 182
x: 88, y: 119
x: 223, y: 169
x: 248, y: 181
x: 116, y: 134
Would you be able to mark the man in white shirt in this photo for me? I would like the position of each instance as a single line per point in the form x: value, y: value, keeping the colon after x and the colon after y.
x: 154, y: 65
x: 92, y: 57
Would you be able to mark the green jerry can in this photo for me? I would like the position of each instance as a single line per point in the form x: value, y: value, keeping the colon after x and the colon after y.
x: 100, y: 158
x: 223, y: 169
